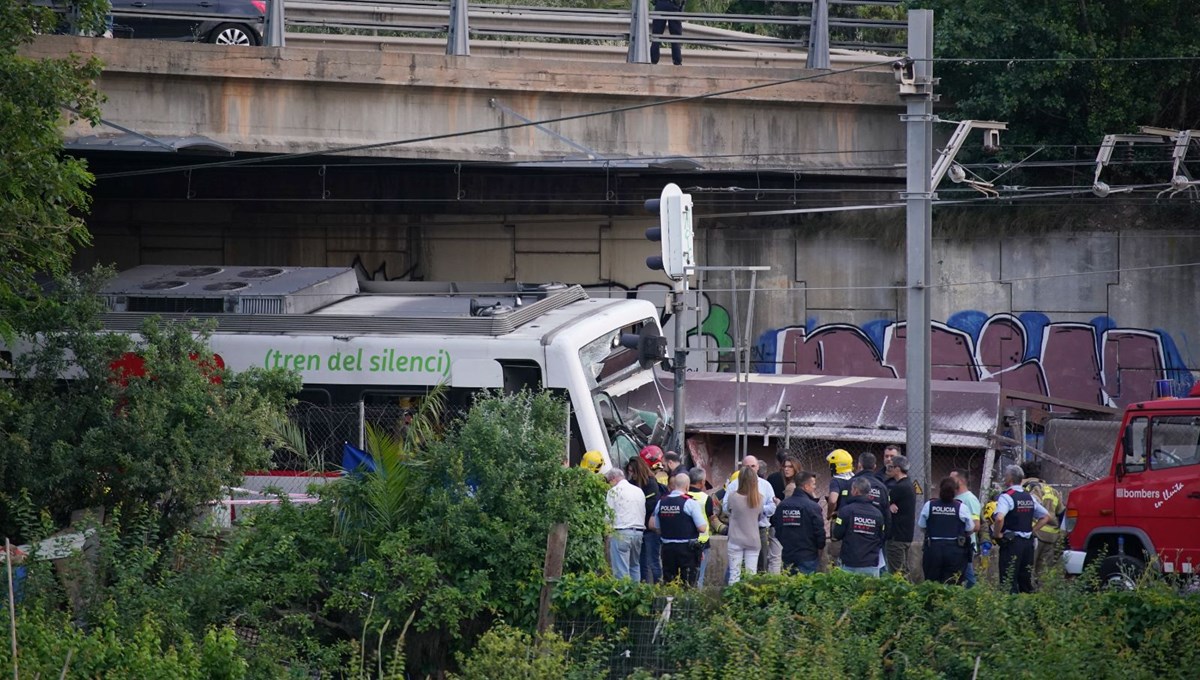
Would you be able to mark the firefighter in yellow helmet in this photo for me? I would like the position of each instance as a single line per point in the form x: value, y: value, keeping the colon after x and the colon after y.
x: 841, y: 469
x: 592, y: 461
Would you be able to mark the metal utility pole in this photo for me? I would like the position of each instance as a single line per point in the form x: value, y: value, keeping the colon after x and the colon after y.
x: 916, y: 88
x: 678, y: 306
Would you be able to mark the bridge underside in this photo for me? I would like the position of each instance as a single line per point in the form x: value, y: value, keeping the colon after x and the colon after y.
x: 426, y: 219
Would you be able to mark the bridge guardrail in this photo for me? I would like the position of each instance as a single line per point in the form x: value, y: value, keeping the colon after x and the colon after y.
x: 379, y: 23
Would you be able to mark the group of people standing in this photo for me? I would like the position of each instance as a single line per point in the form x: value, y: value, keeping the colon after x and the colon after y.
x: 663, y: 516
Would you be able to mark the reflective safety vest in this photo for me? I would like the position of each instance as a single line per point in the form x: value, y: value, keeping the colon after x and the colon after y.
x: 702, y: 498
x: 1050, y: 499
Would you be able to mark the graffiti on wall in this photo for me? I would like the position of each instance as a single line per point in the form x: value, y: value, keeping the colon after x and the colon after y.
x: 713, y: 332
x: 1096, y: 362
x: 380, y: 273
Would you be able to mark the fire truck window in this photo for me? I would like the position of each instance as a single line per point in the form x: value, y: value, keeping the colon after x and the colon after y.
x: 1174, y: 441
x: 1135, y: 445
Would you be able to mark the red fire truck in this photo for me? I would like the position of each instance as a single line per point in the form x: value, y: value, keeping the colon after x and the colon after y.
x: 1146, y: 512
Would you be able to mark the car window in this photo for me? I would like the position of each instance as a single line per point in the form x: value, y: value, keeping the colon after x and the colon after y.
x: 1174, y: 442
x: 1135, y: 445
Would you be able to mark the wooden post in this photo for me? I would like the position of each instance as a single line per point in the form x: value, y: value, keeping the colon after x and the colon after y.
x: 12, y: 605
x: 556, y: 552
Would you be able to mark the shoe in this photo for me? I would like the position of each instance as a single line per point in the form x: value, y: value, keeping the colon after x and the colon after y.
x: 106, y: 34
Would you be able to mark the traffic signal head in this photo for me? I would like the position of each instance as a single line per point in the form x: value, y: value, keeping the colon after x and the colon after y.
x: 674, y: 233
x: 650, y: 345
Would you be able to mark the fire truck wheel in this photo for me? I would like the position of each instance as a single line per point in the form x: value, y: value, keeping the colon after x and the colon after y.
x: 1120, y: 572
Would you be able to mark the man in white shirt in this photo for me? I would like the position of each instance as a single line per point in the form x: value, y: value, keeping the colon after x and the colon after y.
x: 627, y: 510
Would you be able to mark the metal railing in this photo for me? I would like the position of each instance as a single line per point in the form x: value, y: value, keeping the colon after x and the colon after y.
x: 457, y: 27
x: 385, y: 21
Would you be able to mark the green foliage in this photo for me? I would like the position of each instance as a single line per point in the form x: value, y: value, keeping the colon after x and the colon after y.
x: 591, y: 595
x: 50, y: 643
x: 432, y: 561
x: 380, y: 504
x: 473, y: 540
x: 168, y: 439
x: 41, y: 191
x: 507, y: 653
x: 842, y: 625
x: 1074, y: 97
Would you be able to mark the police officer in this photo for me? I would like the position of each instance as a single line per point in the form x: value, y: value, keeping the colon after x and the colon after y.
x: 1018, y: 516
x: 861, y: 529
x: 878, y: 495
x: 948, y: 526
x: 800, y: 527
x: 879, y: 492
x: 680, y: 520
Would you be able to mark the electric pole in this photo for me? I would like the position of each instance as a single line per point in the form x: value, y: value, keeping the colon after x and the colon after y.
x: 916, y: 88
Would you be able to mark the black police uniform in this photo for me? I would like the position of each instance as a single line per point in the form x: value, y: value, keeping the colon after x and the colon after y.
x: 879, y: 497
x: 947, y: 544
x: 861, y: 528
x: 1016, y: 552
x: 800, y: 528
x: 680, y: 550
x: 673, y: 26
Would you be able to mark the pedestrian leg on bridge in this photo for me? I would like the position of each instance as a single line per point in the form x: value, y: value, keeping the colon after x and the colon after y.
x: 673, y: 26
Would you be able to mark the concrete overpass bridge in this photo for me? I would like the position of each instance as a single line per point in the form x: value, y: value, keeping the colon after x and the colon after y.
x: 316, y: 100
x: 561, y: 201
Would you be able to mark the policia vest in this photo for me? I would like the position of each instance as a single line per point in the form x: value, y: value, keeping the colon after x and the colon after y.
x: 673, y: 523
x: 944, y: 523
x: 1020, y: 519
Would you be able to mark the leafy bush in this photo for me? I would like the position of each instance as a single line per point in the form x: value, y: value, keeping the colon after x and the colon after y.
x: 435, y: 559
x: 168, y: 438
x: 47, y: 639
x: 507, y: 653
x: 843, y: 625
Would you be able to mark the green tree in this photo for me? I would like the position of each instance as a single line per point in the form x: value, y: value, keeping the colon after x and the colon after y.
x: 436, y: 559
x: 168, y: 436
x: 1069, y: 71
x: 42, y: 192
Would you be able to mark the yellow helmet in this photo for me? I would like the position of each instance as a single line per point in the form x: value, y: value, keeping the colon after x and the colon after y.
x: 840, y: 460
x: 592, y: 461
x: 733, y: 477
x: 989, y: 510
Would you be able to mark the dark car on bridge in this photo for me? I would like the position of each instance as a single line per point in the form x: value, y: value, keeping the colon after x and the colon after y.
x: 222, y: 22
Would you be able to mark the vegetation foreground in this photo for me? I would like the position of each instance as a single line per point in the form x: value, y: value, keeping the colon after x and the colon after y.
x: 432, y: 567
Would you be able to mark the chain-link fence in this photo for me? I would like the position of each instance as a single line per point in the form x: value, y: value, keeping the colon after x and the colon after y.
x: 1077, y: 449
x: 633, y: 643
x: 327, y: 427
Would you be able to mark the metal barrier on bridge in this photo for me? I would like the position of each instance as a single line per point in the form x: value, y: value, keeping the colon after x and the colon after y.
x: 457, y: 26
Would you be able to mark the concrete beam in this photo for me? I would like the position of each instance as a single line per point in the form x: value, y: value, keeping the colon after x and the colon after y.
x: 284, y: 100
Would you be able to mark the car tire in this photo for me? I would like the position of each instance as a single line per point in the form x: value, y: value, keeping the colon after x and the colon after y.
x: 233, y: 34
x: 1120, y: 572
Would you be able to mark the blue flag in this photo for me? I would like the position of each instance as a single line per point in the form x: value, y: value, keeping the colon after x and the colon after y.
x: 354, y: 458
